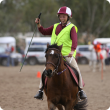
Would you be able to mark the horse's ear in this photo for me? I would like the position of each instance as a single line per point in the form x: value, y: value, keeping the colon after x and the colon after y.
x: 61, y: 47
x: 47, y: 45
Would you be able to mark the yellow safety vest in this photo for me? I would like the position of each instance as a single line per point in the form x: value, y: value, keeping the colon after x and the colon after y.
x: 63, y: 38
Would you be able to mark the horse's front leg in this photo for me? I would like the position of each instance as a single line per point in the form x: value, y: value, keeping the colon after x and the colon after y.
x: 90, y: 64
x: 59, y: 107
x: 69, y: 105
x: 51, y: 106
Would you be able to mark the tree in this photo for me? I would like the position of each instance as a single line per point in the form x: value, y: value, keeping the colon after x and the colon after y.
x: 12, y: 14
x: 92, y: 17
x: 48, y: 9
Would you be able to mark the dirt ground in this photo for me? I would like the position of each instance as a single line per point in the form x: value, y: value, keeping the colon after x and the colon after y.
x: 17, y: 89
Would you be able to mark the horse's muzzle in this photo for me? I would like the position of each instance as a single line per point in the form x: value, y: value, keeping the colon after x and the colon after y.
x: 48, y: 73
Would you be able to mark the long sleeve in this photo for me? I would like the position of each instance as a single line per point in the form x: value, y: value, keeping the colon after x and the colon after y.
x: 73, y: 38
x: 46, y: 31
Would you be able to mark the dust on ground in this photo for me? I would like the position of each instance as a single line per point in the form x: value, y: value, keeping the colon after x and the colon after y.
x: 17, y: 89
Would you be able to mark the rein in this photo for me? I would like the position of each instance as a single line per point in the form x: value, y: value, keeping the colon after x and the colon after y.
x: 56, y: 66
x: 61, y: 72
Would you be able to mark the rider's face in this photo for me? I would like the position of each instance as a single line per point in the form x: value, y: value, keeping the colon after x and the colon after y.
x: 63, y: 18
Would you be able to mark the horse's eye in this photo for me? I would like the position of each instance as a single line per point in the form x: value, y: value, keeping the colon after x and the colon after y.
x: 56, y: 56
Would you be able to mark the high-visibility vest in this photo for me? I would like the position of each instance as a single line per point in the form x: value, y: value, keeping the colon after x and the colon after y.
x: 97, y: 48
x: 63, y: 38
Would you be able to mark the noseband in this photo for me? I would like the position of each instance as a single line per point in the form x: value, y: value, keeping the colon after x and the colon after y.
x: 56, y: 66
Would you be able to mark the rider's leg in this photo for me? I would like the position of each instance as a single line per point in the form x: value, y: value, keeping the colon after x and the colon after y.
x: 73, y: 63
x: 39, y: 95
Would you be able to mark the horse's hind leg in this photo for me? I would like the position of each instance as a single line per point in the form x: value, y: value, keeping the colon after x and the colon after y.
x: 94, y: 65
x: 59, y: 107
x: 104, y: 68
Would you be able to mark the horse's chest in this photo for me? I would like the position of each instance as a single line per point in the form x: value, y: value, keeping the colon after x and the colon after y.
x: 58, y: 97
x: 58, y: 90
x: 59, y: 86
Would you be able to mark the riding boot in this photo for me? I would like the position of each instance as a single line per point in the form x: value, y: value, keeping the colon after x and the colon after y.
x: 82, y: 94
x: 39, y: 95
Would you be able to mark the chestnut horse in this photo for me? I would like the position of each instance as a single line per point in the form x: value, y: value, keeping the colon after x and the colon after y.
x: 61, y: 90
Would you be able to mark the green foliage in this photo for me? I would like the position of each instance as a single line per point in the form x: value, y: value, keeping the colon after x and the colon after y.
x: 48, y: 8
x: 90, y: 16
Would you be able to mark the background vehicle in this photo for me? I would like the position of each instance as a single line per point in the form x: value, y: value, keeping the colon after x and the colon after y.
x: 106, y: 44
x: 107, y: 61
x: 8, y: 40
x: 36, y: 54
x: 37, y: 41
x: 3, y: 45
x: 84, y: 54
x: 3, y: 57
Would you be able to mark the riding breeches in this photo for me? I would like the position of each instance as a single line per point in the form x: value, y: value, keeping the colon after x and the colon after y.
x: 73, y: 63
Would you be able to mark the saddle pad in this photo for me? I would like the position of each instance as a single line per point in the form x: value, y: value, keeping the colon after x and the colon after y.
x: 74, y: 76
x: 72, y: 73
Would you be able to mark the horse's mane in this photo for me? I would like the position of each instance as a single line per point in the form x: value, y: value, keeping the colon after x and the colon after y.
x: 52, y: 46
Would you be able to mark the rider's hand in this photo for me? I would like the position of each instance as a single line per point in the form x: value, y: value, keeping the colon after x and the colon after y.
x: 37, y: 21
x: 71, y: 54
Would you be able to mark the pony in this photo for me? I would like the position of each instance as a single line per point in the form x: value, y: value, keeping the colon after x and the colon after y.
x: 93, y: 61
x: 61, y: 89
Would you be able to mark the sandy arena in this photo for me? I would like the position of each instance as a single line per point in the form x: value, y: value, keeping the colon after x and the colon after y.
x: 17, y: 89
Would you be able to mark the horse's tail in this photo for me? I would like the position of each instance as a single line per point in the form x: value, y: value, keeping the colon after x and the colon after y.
x: 82, y: 105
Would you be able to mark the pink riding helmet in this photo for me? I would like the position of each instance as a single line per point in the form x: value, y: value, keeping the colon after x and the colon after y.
x: 65, y: 10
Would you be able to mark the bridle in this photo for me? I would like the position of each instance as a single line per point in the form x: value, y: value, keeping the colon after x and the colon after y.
x: 58, y: 63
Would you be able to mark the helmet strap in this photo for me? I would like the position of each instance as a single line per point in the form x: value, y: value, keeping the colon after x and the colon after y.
x: 68, y: 18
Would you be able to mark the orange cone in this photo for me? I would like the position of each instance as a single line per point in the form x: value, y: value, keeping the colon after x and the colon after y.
x: 38, y: 74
